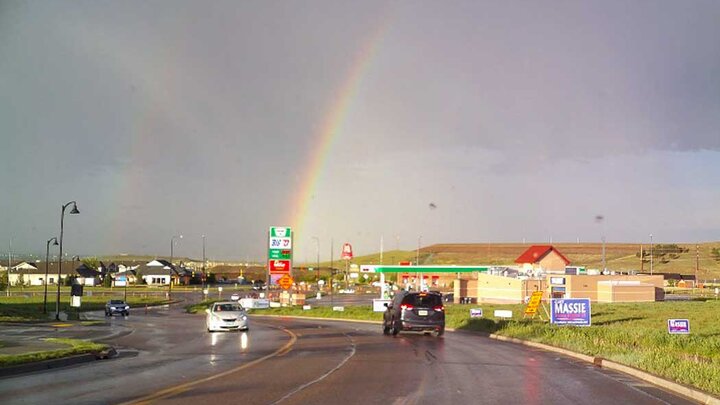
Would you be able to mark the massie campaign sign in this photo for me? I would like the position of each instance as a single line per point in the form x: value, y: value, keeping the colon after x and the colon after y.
x: 570, y: 311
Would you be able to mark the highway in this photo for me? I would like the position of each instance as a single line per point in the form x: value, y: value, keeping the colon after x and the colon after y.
x: 166, y: 356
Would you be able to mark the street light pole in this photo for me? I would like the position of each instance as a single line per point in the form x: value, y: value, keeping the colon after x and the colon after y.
x: 202, y: 276
x: 651, y: 255
x: 332, y: 272
x: 172, y: 245
x: 8, y: 268
x: 317, y: 250
x: 60, y: 258
x: 417, y: 263
x: 47, y: 259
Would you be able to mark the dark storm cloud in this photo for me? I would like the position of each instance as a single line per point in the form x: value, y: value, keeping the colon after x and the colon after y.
x: 202, y: 118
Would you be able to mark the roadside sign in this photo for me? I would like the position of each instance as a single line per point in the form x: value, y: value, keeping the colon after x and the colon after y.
x: 284, y: 254
x: 534, y: 303
x: 280, y: 250
x: 347, y: 253
x: 502, y: 313
x: 279, y: 266
x: 280, y: 243
x: 476, y: 313
x: 679, y: 326
x: 570, y: 311
x: 280, y: 231
x: 285, y: 282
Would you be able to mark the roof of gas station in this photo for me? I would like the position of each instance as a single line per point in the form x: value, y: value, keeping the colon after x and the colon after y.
x: 424, y: 269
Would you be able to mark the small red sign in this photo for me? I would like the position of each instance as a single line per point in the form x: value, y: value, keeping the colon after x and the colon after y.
x: 279, y: 266
x: 347, y: 253
x: 405, y: 263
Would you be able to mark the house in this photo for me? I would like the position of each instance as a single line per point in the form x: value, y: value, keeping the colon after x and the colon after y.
x: 538, y: 259
x: 124, y: 278
x: 88, y: 276
x: 23, y: 266
x: 35, y: 274
x: 158, y: 272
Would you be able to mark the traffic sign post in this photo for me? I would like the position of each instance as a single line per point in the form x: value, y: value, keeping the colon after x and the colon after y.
x: 285, y: 282
x: 347, y: 255
x: 280, y: 243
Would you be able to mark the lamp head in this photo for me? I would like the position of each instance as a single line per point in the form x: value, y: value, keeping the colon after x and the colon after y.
x: 55, y: 243
x: 74, y: 210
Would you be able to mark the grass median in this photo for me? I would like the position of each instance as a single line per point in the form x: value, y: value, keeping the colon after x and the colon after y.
x: 634, y: 334
x: 30, y: 309
x: 74, y: 347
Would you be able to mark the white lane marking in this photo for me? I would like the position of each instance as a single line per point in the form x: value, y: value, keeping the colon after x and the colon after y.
x: 322, y: 377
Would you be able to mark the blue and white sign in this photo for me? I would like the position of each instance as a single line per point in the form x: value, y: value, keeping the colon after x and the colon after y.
x: 570, y: 311
x: 679, y: 326
x: 476, y: 313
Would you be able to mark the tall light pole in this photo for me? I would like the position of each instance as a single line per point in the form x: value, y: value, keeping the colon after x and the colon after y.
x: 317, y: 251
x: 417, y: 263
x: 601, y: 220
x: 9, y: 264
x: 60, y: 258
x: 202, y: 276
x: 172, y: 253
x: 47, y: 259
x: 651, y: 255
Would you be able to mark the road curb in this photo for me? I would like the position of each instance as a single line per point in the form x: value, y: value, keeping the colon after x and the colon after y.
x: 46, y: 364
x: 677, y: 388
x: 12, y: 371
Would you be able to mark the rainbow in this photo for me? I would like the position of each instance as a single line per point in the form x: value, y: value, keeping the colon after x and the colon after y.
x: 331, y: 127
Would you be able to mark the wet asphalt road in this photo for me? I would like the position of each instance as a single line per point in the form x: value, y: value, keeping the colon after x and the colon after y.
x: 167, y: 356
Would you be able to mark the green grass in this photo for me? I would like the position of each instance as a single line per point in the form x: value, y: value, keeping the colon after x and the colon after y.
x: 75, y: 347
x: 634, y: 334
x: 30, y: 309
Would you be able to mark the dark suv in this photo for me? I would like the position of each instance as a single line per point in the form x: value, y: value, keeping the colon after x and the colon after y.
x: 415, y: 311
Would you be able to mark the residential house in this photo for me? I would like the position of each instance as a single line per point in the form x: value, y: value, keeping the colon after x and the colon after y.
x: 158, y: 272
x: 88, y: 276
x: 35, y: 274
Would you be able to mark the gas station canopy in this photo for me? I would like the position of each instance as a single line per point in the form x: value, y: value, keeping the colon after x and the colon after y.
x: 423, y: 269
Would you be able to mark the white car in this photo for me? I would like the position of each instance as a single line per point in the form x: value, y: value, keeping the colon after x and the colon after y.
x: 235, y: 297
x: 226, y: 316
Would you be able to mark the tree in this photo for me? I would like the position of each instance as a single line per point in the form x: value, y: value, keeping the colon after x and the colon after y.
x: 107, y: 281
x: 91, y: 262
x: 715, y: 253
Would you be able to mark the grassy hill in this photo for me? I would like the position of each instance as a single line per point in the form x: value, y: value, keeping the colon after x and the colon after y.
x: 619, y: 256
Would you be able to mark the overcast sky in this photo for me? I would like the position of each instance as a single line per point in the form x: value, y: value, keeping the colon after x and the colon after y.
x: 455, y: 121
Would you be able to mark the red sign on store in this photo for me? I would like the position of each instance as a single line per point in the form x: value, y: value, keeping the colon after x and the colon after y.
x: 279, y: 266
x: 347, y: 252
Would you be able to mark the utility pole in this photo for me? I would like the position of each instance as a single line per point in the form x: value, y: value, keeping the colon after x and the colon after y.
x: 8, y: 269
x: 332, y: 272
x: 651, y: 255
x: 642, y: 259
x: 697, y: 263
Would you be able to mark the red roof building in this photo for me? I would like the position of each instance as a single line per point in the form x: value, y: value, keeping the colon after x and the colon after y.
x: 543, y: 258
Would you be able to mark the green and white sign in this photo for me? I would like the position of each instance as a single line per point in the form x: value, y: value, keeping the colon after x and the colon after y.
x: 280, y: 243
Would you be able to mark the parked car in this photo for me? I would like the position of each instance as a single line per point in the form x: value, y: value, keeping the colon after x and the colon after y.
x: 117, y: 307
x: 258, y: 285
x: 415, y: 311
x: 448, y: 297
x: 235, y: 297
x: 226, y: 315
